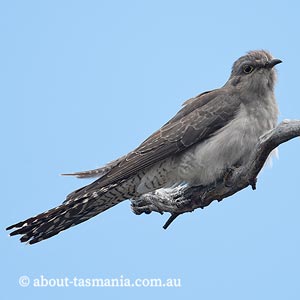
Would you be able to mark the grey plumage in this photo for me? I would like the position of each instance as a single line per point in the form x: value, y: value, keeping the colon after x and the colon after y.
x: 214, y: 131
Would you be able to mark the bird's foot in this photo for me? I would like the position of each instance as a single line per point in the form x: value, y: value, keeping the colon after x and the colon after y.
x: 176, y: 201
x: 253, y: 182
x: 227, y: 178
x: 147, y: 203
x: 162, y: 200
x: 173, y: 200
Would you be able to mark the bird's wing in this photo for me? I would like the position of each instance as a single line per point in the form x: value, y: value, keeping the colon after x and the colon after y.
x: 200, y: 118
x: 189, y: 106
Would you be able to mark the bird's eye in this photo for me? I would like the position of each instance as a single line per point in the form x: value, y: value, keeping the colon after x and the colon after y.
x: 247, y: 69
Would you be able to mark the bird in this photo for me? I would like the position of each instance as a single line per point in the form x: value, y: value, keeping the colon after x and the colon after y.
x: 211, y: 133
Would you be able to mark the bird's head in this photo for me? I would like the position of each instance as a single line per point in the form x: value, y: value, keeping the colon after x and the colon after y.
x: 254, y: 71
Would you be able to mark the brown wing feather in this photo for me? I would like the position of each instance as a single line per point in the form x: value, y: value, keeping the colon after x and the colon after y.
x: 188, y: 106
x: 196, y: 121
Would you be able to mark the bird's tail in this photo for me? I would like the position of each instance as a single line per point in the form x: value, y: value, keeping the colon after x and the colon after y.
x: 80, y: 206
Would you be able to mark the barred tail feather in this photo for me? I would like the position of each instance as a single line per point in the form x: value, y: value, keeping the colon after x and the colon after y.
x: 79, y: 206
x: 55, y: 220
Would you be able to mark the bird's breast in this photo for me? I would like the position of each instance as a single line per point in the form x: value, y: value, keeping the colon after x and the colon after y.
x: 207, y: 161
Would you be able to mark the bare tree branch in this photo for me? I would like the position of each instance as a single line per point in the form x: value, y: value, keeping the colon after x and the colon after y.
x: 186, y: 199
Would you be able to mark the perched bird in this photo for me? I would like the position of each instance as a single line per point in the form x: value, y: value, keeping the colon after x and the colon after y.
x: 213, y: 132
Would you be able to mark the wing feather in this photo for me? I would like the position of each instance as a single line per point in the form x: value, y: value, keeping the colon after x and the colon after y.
x: 200, y: 118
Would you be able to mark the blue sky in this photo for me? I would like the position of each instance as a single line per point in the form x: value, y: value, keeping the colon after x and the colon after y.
x: 83, y: 82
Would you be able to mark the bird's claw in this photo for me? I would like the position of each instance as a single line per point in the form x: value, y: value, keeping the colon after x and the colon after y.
x: 253, y: 182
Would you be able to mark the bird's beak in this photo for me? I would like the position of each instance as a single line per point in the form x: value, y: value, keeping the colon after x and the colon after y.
x: 273, y: 63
